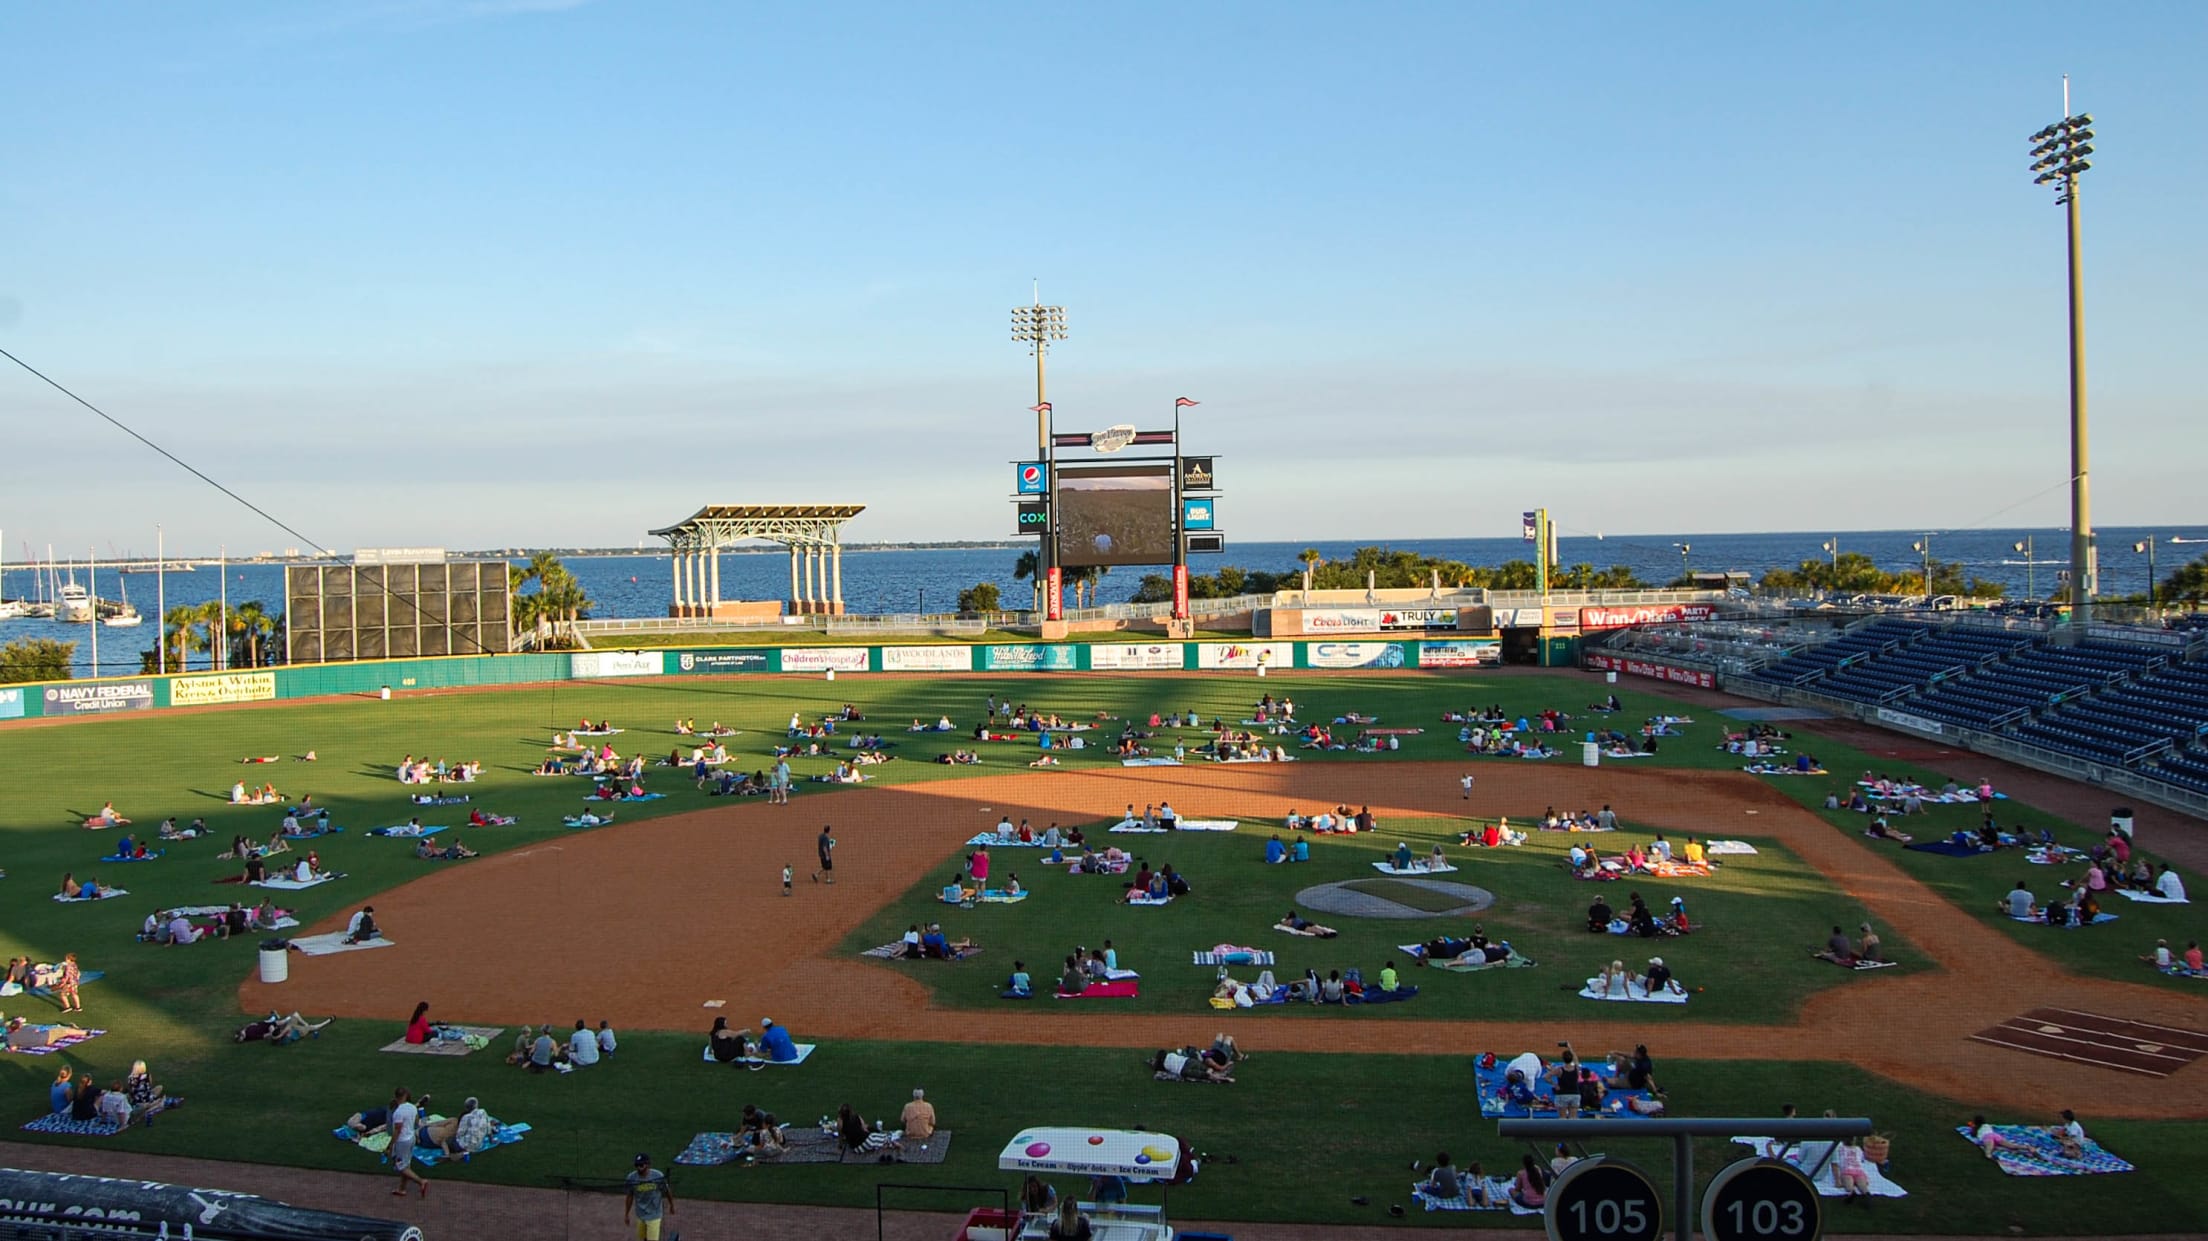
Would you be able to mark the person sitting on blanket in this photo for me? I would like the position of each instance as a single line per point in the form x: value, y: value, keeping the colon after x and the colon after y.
x: 1275, y: 852
x: 582, y: 1046
x: 1612, y: 981
x: 70, y: 888
x: 2168, y: 884
x: 1599, y: 916
x: 1075, y: 978
x: 2088, y: 907
x: 727, y: 1046
x: 1190, y: 1066
x: 1640, y: 920
x: 1658, y: 978
x: 1985, y: 1137
x: 856, y: 1137
x: 1869, y: 949
x: 544, y: 1051
x: 427, y: 851
x: 2069, y: 1135
x: 1019, y: 986
x: 1304, y: 926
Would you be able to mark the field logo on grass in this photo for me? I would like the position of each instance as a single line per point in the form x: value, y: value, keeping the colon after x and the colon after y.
x: 99, y: 699
x: 927, y: 659
x: 1460, y: 654
x: 823, y: 658
x: 1355, y: 654
x: 1218, y: 655
x: 693, y: 662
x: 223, y: 687
x: 1030, y: 657
x: 11, y: 704
x: 590, y: 665
x: 1129, y: 657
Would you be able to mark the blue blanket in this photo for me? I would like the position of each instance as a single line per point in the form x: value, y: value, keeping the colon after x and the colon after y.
x: 149, y: 857
x: 1495, y: 1103
x: 319, y: 829
x: 59, y: 1122
x: 404, y: 831
x: 1946, y: 848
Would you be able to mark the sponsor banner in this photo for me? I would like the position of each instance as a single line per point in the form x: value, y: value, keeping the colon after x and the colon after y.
x: 1530, y: 525
x: 823, y: 658
x: 1354, y: 654
x: 1517, y: 618
x: 1700, y: 678
x: 99, y: 699
x: 1342, y: 620
x: 1180, y: 592
x: 1418, y: 618
x: 1467, y: 654
x: 1197, y: 514
x: 1902, y: 719
x: 588, y: 665
x: 1032, y: 478
x: 1217, y: 655
x: 224, y: 687
x: 1030, y: 657
x: 1054, y: 593
x: 927, y: 659
x: 1654, y: 614
x: 1197, y: 474
x: 1127, y: 657
x: 1032, y: 517
x: 702, y: 663
x: 11, y: 704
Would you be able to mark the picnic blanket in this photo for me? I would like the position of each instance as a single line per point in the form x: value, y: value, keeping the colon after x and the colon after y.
x: 1495, y: 1101
x: 2067, y: 926
x: 1679, y: 870
x: 1141, y: 901
x: 1117, y: 989
x: 147, y: 858
x: 59, y: 1122
x: 473, y: 1038
x: 503, y: 1135
x: 1947, y: 848
x: 1719, y: 848
x: 1150, y: 762
x: 1857, y: 964
x: 1497, y: 1191
x: 628, y: 797
x: 447, y: 799
x: 1806, y: 1156
x: 1388, y: 868
x: 105, y: 893
x: 1184, y: 825
x: 577, y: 820
x: 404, y: 829
x: 1227, y: 954
x: 807, y: 1144
x: 285, y: 884
x: 1634, y: 993
x: 2030, y: 1151
x: 324, y: 945
x: 2056, y: 855
x: 1308, y: 933
x: 319, y: 829
x: 69, y: 1041
x: 1464, y: 962
x: 1001, y: 842
x: 2149, y: 898
x: 803, y: 1050
x: 1768, y: 769
x: 48, y: 992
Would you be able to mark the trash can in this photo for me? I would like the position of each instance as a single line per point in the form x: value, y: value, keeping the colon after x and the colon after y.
x: 384, y: 693
x: 831, y: 674
x: 1590, y: 753
x: 275, y: 963
x: 1610, y: 678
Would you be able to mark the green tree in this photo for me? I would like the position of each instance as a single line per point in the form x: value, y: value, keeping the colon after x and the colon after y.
x: 37, y: 659
x: 2187, y: 584
x: 1310, y: 559
x: 247, y: 632
x: 1029, y: 568
x: 979, y: 597
x: 557, y: 600
x: 184, y: 630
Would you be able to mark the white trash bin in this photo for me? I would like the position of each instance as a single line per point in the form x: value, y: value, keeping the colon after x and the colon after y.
x: 1610, y: 678
x: 275, y: 964
x: 1590, y: 753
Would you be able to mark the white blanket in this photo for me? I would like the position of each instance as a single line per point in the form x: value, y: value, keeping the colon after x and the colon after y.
x: 293, y: 885
x: 1719, y: 848
x: 105, y: 893
x: 1388, y: 868
x: 1633, y: 993
x: 324, y: 945
x: 1815, y: 1153
x: 1149, y: 762
x: 1185, y: 825
x: 2148, y: 898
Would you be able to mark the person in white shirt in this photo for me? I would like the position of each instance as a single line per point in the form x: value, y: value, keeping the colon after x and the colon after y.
x: 582, y: 1046
x: 606, y: 1043
x: 181, y: 931
x: 303, y: 872
x: 405, y: 1126
x: 2169, y: 885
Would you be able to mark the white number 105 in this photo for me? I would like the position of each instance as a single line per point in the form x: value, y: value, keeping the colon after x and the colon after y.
x: 1611, y: 1216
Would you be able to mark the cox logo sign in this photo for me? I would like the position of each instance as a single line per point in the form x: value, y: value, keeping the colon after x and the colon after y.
x: 1034, y: 518
x: 1031, y: 478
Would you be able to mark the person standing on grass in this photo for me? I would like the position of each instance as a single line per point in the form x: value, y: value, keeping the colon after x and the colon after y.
x: 65, y: 988
x: 650, y: 1199
x: 827, y: 847
x: 781, y: 784
x: 406, y: 1124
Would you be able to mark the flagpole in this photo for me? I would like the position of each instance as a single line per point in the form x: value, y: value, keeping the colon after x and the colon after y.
x: 92, y: 589
x: 161, y: 600
x: 222, y: 640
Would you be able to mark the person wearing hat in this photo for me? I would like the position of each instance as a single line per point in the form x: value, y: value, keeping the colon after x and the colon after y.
x: 1658, y: 977
x: 775, y: 1042
x: 650, y: 1199
x: 1679, y: 923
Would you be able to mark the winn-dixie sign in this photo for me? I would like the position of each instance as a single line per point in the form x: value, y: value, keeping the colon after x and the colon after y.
x: 1643, y: 668
x: 1654, y: 614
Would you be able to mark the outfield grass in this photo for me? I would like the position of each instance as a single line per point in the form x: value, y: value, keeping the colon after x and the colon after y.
x: 1361, y: 1118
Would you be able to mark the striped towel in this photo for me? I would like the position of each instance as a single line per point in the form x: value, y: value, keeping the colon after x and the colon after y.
x: 1240, y: 956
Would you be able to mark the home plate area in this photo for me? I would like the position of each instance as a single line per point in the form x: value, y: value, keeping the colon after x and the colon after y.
x: 2108, y: 1042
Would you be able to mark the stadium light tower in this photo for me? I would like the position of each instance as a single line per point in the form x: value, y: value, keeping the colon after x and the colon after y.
x: 1036, y: 327
x: 2058, y: 158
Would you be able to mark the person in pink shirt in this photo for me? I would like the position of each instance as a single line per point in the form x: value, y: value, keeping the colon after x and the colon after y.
x: 978, y: 866
x: 2192, y: 955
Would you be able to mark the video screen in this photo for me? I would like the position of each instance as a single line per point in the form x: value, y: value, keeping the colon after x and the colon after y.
x: 1115, y: 515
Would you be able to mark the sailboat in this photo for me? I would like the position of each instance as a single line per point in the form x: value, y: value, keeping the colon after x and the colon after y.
x: 124, y: 614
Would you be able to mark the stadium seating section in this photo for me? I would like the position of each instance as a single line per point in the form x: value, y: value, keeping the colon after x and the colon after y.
x: 2139, y: 706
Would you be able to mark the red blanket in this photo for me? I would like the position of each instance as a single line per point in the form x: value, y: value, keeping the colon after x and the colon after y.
x: 1124, y: 989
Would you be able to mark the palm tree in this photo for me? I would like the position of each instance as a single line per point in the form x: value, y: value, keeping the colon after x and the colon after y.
x: 1310, y: 558
x: 248, y: 625
x: 1029, y: 568
x: 182, y: 633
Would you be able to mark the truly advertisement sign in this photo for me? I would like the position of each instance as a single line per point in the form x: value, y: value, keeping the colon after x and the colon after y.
x: 927, y: 659
x: 706, y: 663
x: 589, y: 665
x: 823, y: 658
x: 223, y: 687
x: 1129, y: 657
x: 1654, y: 614
x: 99, y: 699
x: 1466, y: 654
x: 1216, y: 655
x: 1418, y: 618
x: 1354, y: 654
x: 1700, y: 678
x: 11, y: 704
x: 1030, y: 657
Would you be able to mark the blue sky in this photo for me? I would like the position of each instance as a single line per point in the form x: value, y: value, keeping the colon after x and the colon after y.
x: 533, y: 271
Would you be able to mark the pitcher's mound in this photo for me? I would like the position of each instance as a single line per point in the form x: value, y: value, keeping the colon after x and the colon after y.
x: 1395, y: 898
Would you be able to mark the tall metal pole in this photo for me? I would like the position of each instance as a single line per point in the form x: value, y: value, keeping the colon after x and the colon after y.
x: 92, y: 590
x: 222, y: 625
x: 161, y: 600
x: 2083, y: 578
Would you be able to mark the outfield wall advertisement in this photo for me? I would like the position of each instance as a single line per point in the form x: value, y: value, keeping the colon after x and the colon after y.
x: 591, y: 665
x: 1658, y: 614
x: 1342, y: 620
x: 11, y: 704
x: 100, y: 698
x: 824, y: 659
x: 1419, y: 618
x: 1128, y: 657
x: 702, y: 663
x: 1700, y: 678
x: 1468, y: 653
x: 1218, y: 655
x: 222, y: 687
x: 1030, y: 657
x: 927, y: 659
x: 1354, y: 654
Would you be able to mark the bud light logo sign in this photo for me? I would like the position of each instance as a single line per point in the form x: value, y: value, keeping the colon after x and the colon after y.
x: 1196, y: 514
x: 1032, y: 478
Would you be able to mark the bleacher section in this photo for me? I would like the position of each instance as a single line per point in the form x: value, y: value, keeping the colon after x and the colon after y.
x: 2118, y: 704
